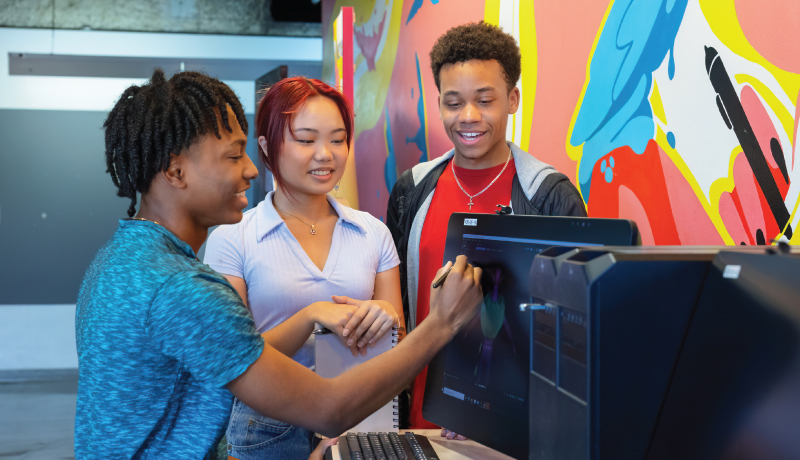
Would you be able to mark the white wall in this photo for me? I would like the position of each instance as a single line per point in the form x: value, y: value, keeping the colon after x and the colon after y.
x: 80, y: 93
x: 43, y: 336
x: 37, y: 337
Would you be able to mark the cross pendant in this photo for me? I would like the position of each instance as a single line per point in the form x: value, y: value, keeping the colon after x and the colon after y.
x: 470, y: 203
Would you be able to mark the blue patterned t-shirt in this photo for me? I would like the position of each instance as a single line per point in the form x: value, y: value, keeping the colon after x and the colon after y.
x: 159, y: 335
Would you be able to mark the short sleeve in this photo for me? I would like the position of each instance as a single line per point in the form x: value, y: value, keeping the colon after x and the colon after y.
x: 389, y: 258
x: 199, y: 320
x: 224, y: 251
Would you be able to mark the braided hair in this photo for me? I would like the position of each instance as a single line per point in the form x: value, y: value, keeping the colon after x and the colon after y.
x: 151, y: 122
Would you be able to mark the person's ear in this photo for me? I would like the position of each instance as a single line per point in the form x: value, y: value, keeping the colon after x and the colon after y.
x: 513, y: 100
x: 262, y: 142
x: 175, y: 173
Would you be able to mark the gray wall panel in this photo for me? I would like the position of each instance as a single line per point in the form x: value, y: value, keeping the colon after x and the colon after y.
x: 58, y: 206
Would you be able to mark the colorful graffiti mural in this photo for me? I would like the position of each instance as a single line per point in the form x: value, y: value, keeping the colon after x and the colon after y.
x: 679, y: 114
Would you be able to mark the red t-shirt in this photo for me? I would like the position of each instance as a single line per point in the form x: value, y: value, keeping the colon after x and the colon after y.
x: 447, y: 199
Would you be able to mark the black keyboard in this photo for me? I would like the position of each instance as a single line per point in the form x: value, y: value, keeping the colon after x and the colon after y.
x: 384, y: 446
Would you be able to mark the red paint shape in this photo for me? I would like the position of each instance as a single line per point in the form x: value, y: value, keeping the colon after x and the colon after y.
x: 631, y: 208
x: 643, y: 175
x: 691, y: 220
x: 765, y: 131
x: 732, y: 219
x: 747, y: 192
x: 771, y: 26
x: 347, y: 52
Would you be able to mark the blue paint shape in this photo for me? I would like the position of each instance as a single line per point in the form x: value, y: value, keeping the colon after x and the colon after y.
x: 671, y: 139
x: 416, y: 6
x: 603, y: 166
x: 611, y: 161
x: 390, y: 167
x: 615, y: 110
x: 378, y: 191
x: 671, y: 65
x: 419, y: 137
x: 609, y: 175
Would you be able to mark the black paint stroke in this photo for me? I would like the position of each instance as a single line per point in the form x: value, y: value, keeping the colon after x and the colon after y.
x: 733, y: 113
x: 777, y: 154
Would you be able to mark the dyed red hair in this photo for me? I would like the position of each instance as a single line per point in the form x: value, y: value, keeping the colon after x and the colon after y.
x: 278, y: 106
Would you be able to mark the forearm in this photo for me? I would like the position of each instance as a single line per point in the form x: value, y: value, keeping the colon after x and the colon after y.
x: 285, y: 390
x: 364, y: 389
x: 289, y: 336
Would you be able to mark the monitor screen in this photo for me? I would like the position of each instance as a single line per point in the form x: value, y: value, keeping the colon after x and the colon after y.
x: 477, y: 386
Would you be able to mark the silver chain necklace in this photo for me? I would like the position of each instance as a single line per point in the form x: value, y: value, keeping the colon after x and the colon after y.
x: 452, y: 166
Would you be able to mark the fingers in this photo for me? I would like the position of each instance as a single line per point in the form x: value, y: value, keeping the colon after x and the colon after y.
x: 353, y: 323
x: 319, y: 452
x: 363, y: 326
x: 452, y: 435
x: 347, y: 300
x: 441, y: 271
x: 378, y: 329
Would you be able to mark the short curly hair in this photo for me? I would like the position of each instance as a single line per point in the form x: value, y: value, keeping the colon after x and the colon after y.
x: 481, y: 41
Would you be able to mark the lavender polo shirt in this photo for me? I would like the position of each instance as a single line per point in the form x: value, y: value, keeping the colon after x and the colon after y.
x: 281, y: 279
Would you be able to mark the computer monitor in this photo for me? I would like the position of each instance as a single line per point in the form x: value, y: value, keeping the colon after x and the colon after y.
x: 477, y: 386
x: 735, y: 390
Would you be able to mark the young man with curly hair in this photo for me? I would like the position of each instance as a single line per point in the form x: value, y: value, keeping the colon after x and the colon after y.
x: 165, y: 342
x: 476, y: 67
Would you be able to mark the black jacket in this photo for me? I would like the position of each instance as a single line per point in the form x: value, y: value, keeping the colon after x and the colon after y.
x: 556, y: 196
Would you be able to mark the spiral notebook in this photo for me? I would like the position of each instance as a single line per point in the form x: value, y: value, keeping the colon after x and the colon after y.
x: 333, y: 358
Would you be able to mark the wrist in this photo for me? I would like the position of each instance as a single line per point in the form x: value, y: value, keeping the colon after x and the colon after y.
x: 439, y: 326
x: 311, y: 314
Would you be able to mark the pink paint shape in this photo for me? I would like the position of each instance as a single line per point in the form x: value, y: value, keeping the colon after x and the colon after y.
x: 747, y: 191
x: 631, y: 208
x: 771, y: 26
x: 796, y: 120
x: 762, y: 125
x: 691, y: 220
x: 730, y: 217
x: 368, y: 41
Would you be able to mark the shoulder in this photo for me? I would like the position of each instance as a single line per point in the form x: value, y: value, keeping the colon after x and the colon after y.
x: 233, y: 232
x: 557, y: 196
x: 369, y: 223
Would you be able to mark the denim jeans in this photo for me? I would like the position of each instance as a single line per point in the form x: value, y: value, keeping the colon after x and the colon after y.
x: 254, y: 436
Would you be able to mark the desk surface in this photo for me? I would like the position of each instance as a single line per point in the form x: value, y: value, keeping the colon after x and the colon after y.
x: 451, y: 450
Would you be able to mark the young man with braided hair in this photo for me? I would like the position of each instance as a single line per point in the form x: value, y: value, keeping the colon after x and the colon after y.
x: 164, y: 342
x: 476, y: 67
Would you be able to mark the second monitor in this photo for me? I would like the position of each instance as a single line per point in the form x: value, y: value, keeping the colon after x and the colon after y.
x: 478, y: 384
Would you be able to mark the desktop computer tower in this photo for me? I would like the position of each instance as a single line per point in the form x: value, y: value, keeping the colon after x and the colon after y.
x: 658, y: 353
x: 607, y: 327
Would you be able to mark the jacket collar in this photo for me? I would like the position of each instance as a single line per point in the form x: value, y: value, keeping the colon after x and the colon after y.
x: 268, y: 219
x: 530, y: 171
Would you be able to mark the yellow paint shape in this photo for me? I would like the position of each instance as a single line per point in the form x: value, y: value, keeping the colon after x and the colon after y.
x: 721, y: 17
x: 724, y: 184
x: 576, y: 152
x: 780, y: 111
x: 372, y: 87
x: 528, y: 47
x: 711, y: 211
x: 656, y: 104
x: 491, y: 12
x: 795, y: 239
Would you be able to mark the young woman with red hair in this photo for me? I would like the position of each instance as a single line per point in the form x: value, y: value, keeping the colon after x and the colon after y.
x: 300, y: 247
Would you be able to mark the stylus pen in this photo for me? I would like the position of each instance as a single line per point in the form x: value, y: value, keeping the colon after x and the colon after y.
x: 441, y: 279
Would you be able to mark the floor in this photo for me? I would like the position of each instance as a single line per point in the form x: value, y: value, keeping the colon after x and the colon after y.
x: 38, y: 415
